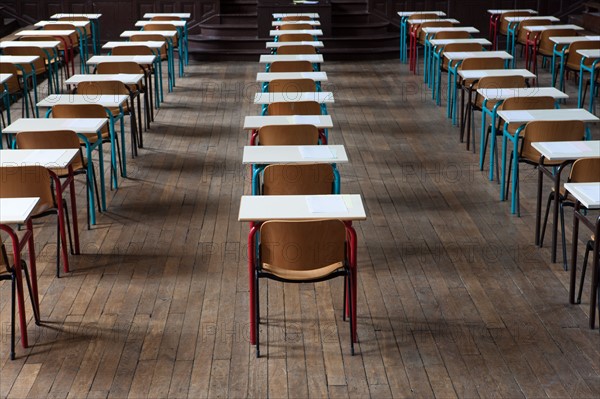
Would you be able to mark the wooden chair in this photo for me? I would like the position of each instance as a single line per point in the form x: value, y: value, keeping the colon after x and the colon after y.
x: 165, y: 18
x: 298, y: 179
x: 543, y: 46
x: 573, y: 61
x: 61, y: 139
x: 164, y: 55
x: 321, y: 255
x: 14, y: 90
x: 295, y: 37
x: 57, y: 65
x: 300, y: 49
x: 148, y: 68
x: 291, y: 66
x: 452, y: 35
x: 296, y: 18
x: 503, y: 27
x: 299, y: 108
x: 25, y: 72
x: 288, y: 135
x: 417, y: 38
x: 535, y: 131
x: 586, y: 170
x: 295, y: 26
x: 35, y: 181
x: 68, y: 43
x: 9, y: 273
x: 292, y: 85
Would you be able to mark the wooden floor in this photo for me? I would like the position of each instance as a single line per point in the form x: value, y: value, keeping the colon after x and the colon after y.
x: 454, y: 298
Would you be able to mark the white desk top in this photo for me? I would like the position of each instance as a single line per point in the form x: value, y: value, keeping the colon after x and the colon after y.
x: 409, y: 13
x: 463, y: 55
x: 165, y: 33
x: 523, y: 18
x: 296, y: 14
x: 282, y: 97
x: 568, y: 150
x: 496, y: 12
x: 81, y: 125
x: 59, y: 158
x: 127, y: 78
x: 589, y: 53
x: 572, y: 39
x: 502, y: 94
x: 541, y: 28
x: 420, y: 21
x: 269, y: 76
x: 313, y: 58
x: 481, y: 73
x: 150, y: 44
x: 89, y: 16
x: 139, y: 59
x: 275, y: 154
x: 313, y: 43
x: 586, y: 193
x: 5, y: 76
x: 256, y: 122
x: 106, y: 100
x: 19, y: 59
x: 575, y: 114
x: 179, y: 24
x: 66, y: 32
x: 77, y: 24
x: 313, y: 32
x: 279, y: 23
x: 182, y: 15
x: 444, y: 42
x: 16, y: 210
x: 437, y: 29
x: 256, y: 208
x: 42, y: 44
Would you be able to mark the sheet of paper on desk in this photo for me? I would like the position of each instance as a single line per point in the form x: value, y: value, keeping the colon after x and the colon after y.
x: 326, y: 204
x: 574, y: 148
x: 317, y: 152
x: 45, y: 157
x: 306, y: 120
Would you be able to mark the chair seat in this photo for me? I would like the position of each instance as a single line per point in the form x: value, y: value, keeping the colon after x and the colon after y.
x: 301, y: 275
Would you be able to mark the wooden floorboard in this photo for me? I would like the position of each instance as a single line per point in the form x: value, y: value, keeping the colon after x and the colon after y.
x: 454, y: 300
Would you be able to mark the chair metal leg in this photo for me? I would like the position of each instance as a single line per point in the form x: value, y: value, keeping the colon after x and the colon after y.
x: 256, y: 305
x: 13, y: 301
x: 543, y: 232
x: 349, y: 280
x: 564, y: 240
x: 588, y: 248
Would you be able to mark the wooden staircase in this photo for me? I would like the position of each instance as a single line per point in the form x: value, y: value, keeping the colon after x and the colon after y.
x: 232, y: 33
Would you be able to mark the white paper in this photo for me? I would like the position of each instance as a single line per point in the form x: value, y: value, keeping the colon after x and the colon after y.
x: 326, y: 204
x: 306, y: 120
x: 316, y: 152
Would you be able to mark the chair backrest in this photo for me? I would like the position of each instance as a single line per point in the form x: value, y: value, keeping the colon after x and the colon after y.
x: 152, y: 38
x: 574, y: 59
x: 163, y: 26
x: 47, y: 140
x: 461, y: 34
x: 585, y: 170
x: 296, y: 37
x: 302, y: 245
x: 545, y: 45
x: 299, y: 49
x: 498, y: 82
x: 94, y: 89
x: 295, y: 26
x: 503, y: 28
x: 292, y: 85
x: 423, y: 15
x: 291, y: 66
x: 418, y: 30
x: 522, y: 33
x: 132, y: 50
x: 27, y: 181
x: 119, y: 67
x: 298, y: 179
x: 527, y: 103
x: 13, y: 82
x: 39, y: 64
x: 457, y: 47
x: 165, y: 18
x: 536, y: 131
x: 294, y: 108
x: 78, y: 111
x: 74, y: 37
x: 482, y: 63
x: 296, y: 18
x: 288, y: 135
x: 88, y: 28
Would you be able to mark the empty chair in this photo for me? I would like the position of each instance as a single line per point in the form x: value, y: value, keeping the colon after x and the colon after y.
x: 13, y: 89
x: 291, y: 66
x: 295, y: 26
x: 292, y: 85
x: 503, y: 28
x: 148, y: 68
x: 573, y: 61
x: 165, y: 18
x: 288, y: 135
x: 30, y: 77
x: 295, y: 108
x: 452, y: 35
x: 68, y: 43
x: 298, y: 179
x: 296, y: 18
x: 545, y: 47
x: 295, y: 37
x: 320, y: 254
x: 299, y: 49
x: 417, y: 37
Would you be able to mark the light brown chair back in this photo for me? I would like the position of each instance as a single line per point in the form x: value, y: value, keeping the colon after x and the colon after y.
x: 163, y: 26
x: 302, y: 246
x: 296, y: 18
x: 482, y: 63
x: 295, y: 26
x: 452, y: 35
x: 88, y: 28
x: 291, y: 66
x: 74, y: 37
x: 429, y: 24
x: 27, y: 181
x: 132, y: 50
x: 296, y: 37
x: 298, y: 179
x: 288, y: 135
x: 294, y: 108
x: 536, y: 131
x: 585, y: 170
x: 522, y: 33
x: 498, y: 82
x: 152, y: 38
x: 94, y: 89
x: 527, y: 103
x: 503, y: 28
x: 78, y: 111
x: 48, y: 140
x: 13, y: 82
x: 165, y: 18
x: 300, y: 49
x: 545, y: 45
x: 574, y: 59
x: 39, y: 64
x: 119, y: 67
x: 423, y: 15
x: 458, y: 47
x: 292, y: 85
